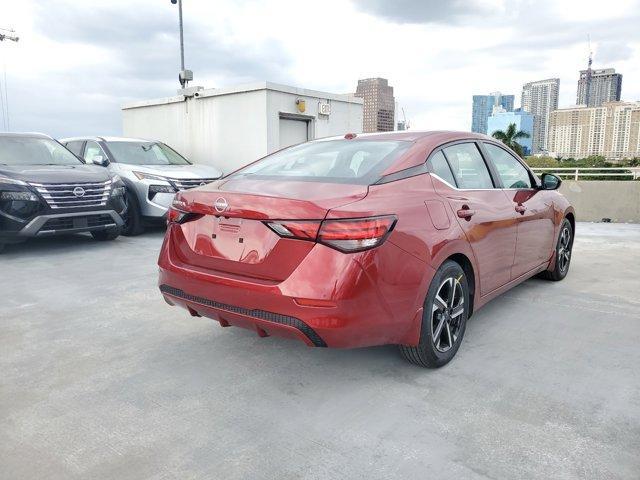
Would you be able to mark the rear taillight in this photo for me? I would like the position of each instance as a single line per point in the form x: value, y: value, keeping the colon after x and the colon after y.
x: 302, y: 230
x: 357, y: 234
x: 174, y: 215
x: 179, y: 212
x: 346, y: 235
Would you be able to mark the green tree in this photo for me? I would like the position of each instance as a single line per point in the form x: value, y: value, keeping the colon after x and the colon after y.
x: 510, y: 138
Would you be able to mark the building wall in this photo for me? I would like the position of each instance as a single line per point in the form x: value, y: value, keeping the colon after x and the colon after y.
x: 221, y: 130
x: 523, y: 121
x: 540, y: 99
x: 345, y: 117
x: 598, y: 86
x: 482, y: 109
x: 379, y: 105
x: 231, y: 127
x: 612, y: 131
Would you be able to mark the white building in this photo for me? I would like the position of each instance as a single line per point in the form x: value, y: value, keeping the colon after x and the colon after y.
x: 612, y: 131
x: 230, y: 127
x: 540, y: 99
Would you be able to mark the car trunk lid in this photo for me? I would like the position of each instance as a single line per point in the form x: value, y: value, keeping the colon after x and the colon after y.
x: 229, y: 234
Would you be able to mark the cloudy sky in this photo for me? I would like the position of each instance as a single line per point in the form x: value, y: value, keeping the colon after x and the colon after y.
x: 78, y: 61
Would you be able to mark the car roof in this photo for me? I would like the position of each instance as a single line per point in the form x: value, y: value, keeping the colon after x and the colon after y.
x: 25, y: 135
x: 411, y: 135
x: 105, y: 139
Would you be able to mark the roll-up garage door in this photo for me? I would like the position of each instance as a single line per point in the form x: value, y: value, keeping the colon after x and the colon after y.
x: 293, y: 131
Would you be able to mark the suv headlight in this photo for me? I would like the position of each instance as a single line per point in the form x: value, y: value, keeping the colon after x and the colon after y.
x: 149, y: 176
x: 11, y: 181
x: 18, y: 196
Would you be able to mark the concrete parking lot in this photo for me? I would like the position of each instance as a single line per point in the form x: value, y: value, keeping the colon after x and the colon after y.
x: 99, y: 378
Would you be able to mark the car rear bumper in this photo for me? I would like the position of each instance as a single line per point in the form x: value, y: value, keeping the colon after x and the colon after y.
x: 342, y: 309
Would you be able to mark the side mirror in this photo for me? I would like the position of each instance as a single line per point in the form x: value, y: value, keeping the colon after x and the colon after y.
x: 100, y: 160
x: 550, y: 181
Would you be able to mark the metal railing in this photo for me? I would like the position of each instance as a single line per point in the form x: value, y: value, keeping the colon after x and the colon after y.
x: 579, y: 173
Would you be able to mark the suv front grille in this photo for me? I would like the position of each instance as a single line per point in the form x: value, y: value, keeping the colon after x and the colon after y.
x: 187, y: 183
x: 74, y: 195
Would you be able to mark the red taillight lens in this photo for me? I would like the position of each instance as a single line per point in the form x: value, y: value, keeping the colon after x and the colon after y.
x: 349, y: 235
x: 302, y: 230
x: 357, y: 234
x: 174, y: 216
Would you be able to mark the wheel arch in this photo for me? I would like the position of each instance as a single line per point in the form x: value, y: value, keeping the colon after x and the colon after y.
x: 572, y: 220
x: 466, y: 265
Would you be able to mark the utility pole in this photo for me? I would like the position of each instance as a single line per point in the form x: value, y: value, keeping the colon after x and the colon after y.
x: 6, y: 34
x: 185, y: 76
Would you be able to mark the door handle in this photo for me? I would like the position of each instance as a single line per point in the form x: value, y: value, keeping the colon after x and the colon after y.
x: 465, y: 212
x: 521, y: 209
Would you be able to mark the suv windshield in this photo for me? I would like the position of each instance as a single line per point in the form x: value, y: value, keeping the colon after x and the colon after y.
x: 145, y: 153
x: 337, y: 161
x: 34, y: 151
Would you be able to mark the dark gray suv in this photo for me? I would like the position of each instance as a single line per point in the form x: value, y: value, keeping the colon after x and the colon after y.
x: 46, y: 190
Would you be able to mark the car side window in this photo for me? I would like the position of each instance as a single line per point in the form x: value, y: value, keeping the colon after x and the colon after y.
x: 512, y: 173
x: 468, y: 166
x: 438, y: 165
x: 92, y: 150
x: 75, y: 147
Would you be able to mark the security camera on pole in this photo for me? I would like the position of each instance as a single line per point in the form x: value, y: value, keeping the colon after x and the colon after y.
x: 185, y: 76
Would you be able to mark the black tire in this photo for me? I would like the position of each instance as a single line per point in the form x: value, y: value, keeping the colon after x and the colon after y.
x: 440, y: 313
x: 564, y: 247
x: 132, y: 219
x: 106, y: 235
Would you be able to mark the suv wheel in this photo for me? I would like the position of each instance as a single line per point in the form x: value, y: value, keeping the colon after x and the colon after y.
x: 106, y: 235
x: 132, y: 218
x: 444, y: 320
x: 563, y: 253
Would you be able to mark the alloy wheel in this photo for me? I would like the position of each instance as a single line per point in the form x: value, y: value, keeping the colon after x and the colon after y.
x: 564, y: 249
x: 446, y: 314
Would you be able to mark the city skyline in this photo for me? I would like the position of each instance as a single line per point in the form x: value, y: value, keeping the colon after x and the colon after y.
x: 474, y: 47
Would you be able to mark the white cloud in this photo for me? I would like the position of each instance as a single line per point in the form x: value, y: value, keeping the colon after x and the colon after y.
x: 77, y: 62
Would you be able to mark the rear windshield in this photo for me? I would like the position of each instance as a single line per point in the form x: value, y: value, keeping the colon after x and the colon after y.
x: 34, y: 151
x: 145, y: 153
x: 335, y: 161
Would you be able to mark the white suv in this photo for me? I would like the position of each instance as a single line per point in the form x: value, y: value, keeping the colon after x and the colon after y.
x: 152, y: 172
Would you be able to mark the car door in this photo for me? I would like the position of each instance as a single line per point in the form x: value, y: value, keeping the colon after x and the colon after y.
x: 534, y: 211
x: 483, y: 211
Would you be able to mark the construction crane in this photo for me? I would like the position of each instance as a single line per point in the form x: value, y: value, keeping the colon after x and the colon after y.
x: 8, y: 34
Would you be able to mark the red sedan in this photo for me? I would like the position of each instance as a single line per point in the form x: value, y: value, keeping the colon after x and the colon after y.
x: 366, y: 240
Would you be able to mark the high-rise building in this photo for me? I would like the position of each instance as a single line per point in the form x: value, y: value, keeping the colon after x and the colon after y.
x: 483, y: 107
x: 611, y: 130
x: 540, y: 98
x: 501, y: 119
x: 599, y: 86
x: 379, y: 105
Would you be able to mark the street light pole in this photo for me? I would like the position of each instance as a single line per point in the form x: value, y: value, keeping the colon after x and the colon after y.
x: 185, y: 75
x: 6, y: 34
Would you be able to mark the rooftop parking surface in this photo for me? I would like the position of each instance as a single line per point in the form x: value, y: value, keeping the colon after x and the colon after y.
x: 99, y: 378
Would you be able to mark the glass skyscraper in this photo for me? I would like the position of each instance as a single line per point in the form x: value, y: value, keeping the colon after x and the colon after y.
x: 483, y: 108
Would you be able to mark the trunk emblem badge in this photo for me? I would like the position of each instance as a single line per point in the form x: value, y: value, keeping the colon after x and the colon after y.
x: 220, y: 205
x: 79, y: 192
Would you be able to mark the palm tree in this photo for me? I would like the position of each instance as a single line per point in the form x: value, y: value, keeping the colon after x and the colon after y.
x: 509, y: 138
